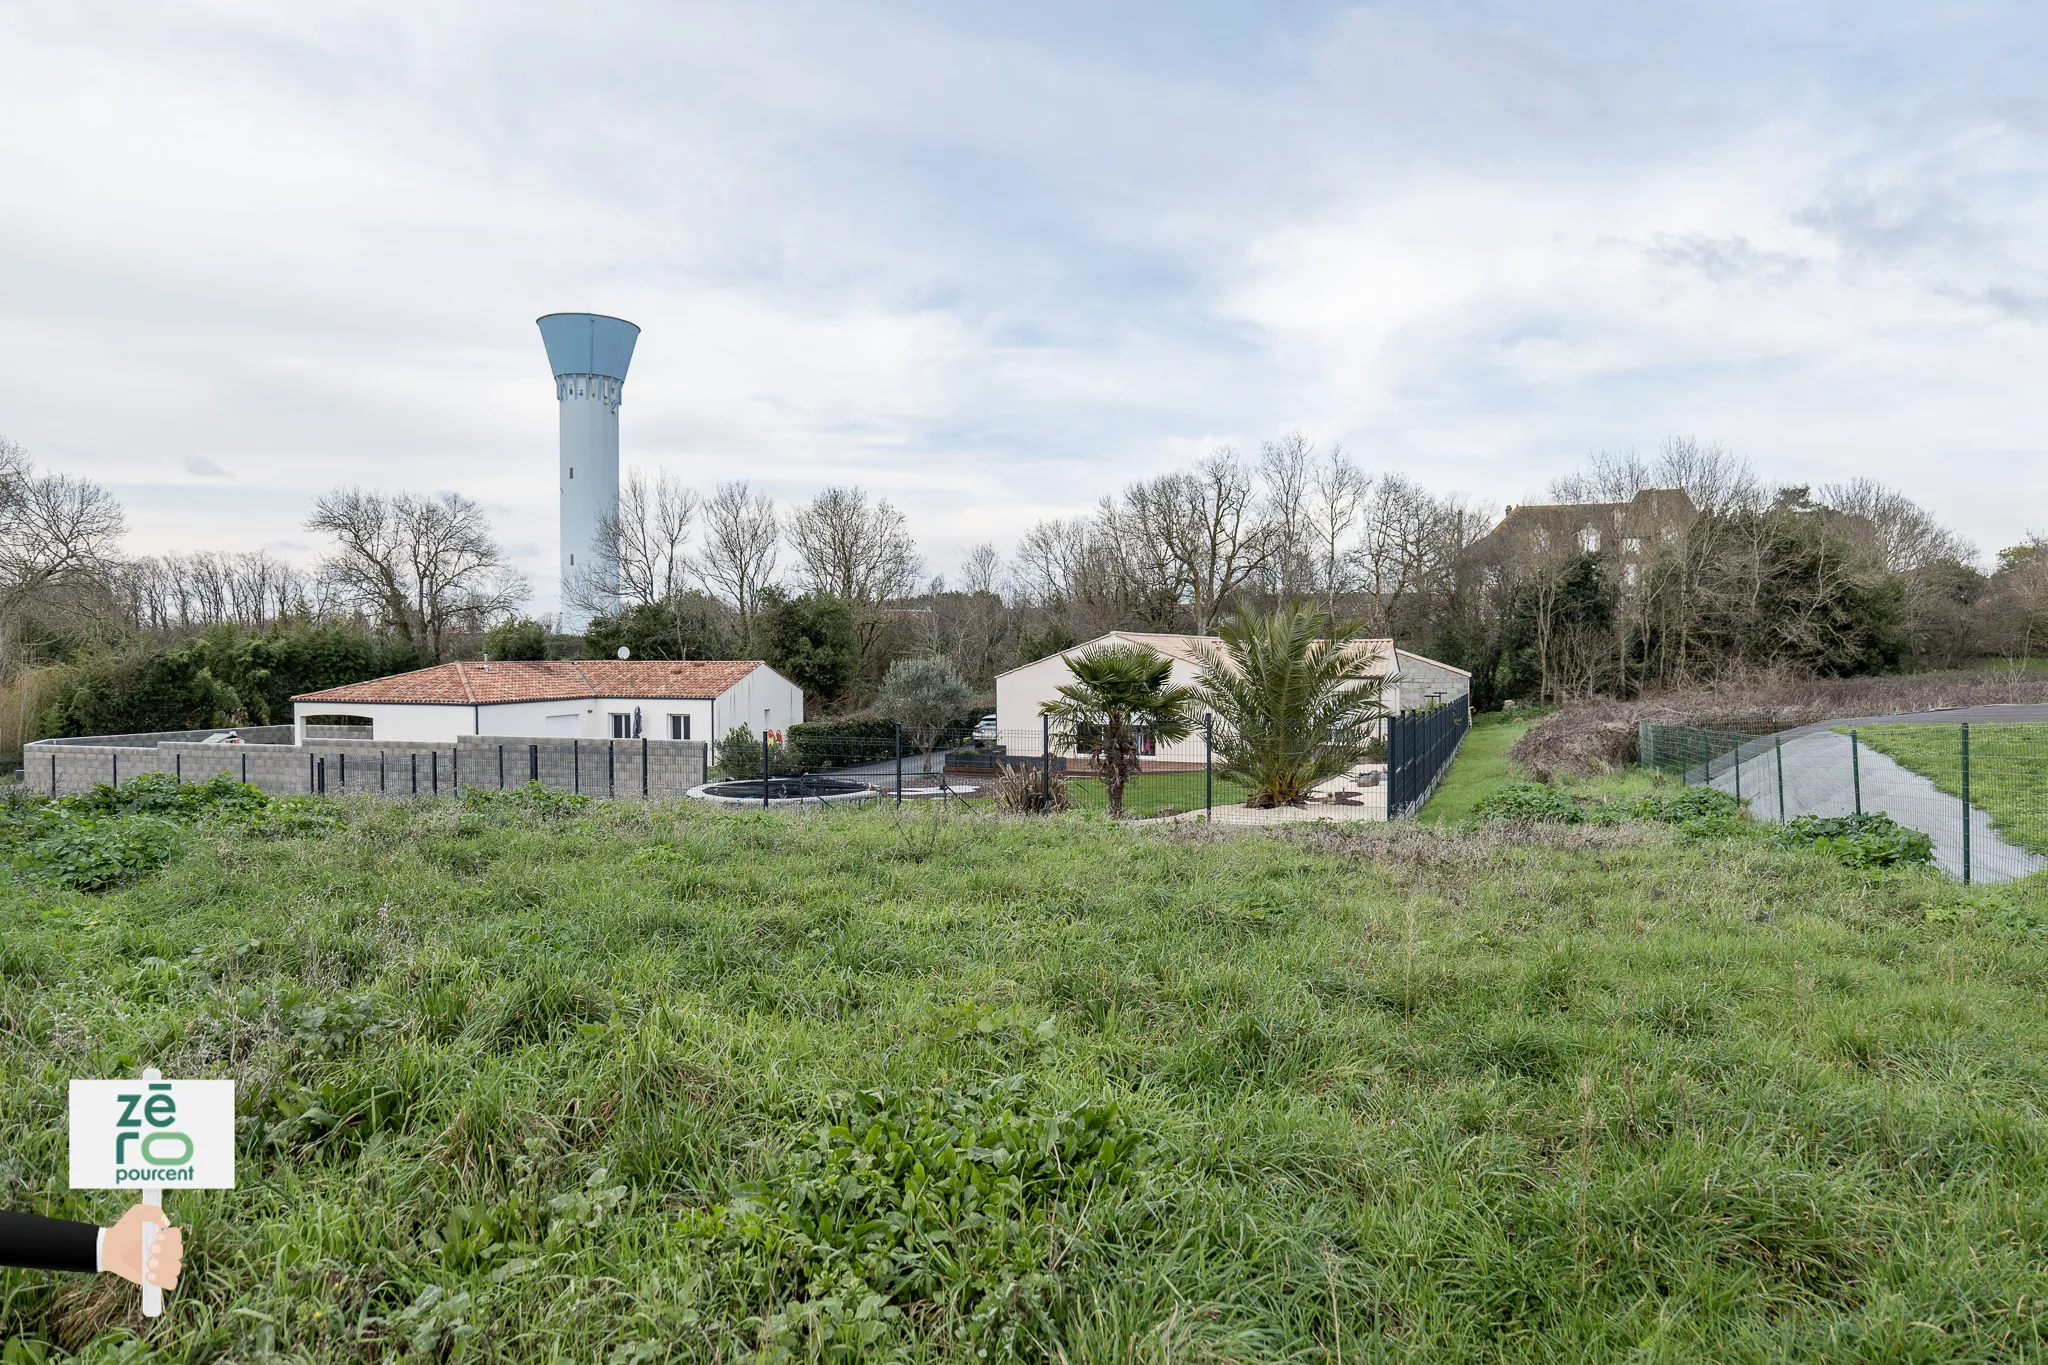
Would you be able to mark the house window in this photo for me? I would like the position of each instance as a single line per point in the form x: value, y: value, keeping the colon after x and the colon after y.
x: 622, y: 725
x: 1589, y: 541
x: 1631, y: 574
x: 1631, y: 545
x: 678, y: 727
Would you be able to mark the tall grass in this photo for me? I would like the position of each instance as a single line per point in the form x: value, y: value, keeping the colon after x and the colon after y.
x: 535, y: 1081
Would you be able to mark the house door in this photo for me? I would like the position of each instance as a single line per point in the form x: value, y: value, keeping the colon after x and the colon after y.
x: 564, y: 727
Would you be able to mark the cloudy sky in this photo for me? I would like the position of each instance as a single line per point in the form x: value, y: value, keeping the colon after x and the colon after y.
x: 992, y: 260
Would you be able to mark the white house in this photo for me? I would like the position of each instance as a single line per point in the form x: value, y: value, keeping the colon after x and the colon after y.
x: 586, y: 699
x: 1413, y: 682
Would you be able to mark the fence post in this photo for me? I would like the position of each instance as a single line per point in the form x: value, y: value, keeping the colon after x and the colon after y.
x: 501, y: 767
x: 415, y: 772
x: 53, y: 772
x: 115, y: 759
x: 383, y: 777
x: 320, y: 775
x: 1209, y: 766
x: 1778, y: 743
x: 764, y: 767
x: 533, y: 763
x: 455, y: 769
x: 1738, y: 769
x: 1856, y: 773
x: 643, y: 767
x: 1966, y: 803
x: 178, y: 767
x: 899, y: 765
x: 344, y: 773
x: 611, y: 767
x: 1045, y: 761
x: 576, y: 766
x: 434, y: 770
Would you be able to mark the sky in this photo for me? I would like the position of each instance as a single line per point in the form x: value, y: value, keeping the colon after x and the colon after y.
x: 992, y: 261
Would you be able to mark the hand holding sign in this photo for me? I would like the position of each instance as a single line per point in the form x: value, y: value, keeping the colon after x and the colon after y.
x: 121, y: 1251
x: 144, y: 1135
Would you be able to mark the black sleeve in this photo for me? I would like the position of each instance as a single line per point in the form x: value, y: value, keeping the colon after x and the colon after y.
x: 29, y: 1242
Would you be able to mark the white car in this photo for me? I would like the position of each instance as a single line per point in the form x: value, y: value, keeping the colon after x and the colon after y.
x: 985, y: 729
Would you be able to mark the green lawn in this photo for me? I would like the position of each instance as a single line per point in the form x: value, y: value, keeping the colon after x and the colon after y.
x: 1148, y: 794
x: 529, y: 1080
x: 1481, y: 765
x: 2008, y: 770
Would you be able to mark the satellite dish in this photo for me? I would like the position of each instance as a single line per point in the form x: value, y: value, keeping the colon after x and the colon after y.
x: 625, y: 653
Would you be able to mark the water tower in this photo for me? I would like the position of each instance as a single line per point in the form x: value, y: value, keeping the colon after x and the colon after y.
x: 589, y: 353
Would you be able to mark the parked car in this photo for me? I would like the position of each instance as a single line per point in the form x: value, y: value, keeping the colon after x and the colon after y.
x: 985, y: 730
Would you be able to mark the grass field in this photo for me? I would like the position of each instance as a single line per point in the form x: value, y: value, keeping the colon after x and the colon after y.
x: 2008, y: 770
x: 1150, y: 793
x: 1481, y: 765
x: 527, y: 1081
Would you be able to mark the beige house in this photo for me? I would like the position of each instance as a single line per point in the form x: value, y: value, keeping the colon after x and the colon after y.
x: 1413, y: 683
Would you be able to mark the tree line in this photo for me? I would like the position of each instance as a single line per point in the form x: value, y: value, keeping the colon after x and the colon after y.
x: 1737, y: 575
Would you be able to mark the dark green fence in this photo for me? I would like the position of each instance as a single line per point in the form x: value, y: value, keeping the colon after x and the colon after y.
x: 1979, y: 791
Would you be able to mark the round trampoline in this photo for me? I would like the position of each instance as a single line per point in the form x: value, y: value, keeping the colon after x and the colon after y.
x: 787, y: 791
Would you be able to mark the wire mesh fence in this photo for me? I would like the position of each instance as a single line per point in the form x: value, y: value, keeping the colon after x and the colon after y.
x: 1980, y: 792
x: 1384, y: 772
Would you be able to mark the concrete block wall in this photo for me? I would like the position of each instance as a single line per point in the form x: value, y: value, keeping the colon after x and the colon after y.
x: 596, y: 767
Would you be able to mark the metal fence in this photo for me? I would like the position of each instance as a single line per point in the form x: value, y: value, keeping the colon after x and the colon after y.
x: 1187, y: 779
x: 1980, y: 792
x: 1420, y: 746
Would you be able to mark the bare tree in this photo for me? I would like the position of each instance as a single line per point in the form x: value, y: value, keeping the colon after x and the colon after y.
x: 853, y: 548
x: 1196, y: 535
x: 741, y: 539
x: 58, y: 537
x: 981, y: 569
x: 1903, y: 535
x: 1337, y: 493
x: 419, y: 565
x: 209, y: 587
x: 645, y: 543
x: 1715, y: 479
x: 1287, y: 476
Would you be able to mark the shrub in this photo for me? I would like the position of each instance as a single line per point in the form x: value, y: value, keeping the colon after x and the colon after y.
x: 739, y: 756
x: 1864, y: 841
x: 1022, y: 791
x: 518, y: 637
x: 110, y: 835
x: 837, y: 743
x: 1527, y: 803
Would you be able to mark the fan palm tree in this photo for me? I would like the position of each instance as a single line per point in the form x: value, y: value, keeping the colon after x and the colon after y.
x: 1297, y: 703
x: 1117, y: 692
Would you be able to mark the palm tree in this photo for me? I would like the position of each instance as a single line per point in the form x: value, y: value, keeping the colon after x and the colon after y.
x: 1118, y: 691
x: 1297, y: 704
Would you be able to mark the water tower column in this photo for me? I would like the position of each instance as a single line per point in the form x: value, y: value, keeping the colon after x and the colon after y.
x: 589, y: 354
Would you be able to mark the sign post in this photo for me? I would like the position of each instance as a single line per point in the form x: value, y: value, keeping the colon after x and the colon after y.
x: 144, y: 1135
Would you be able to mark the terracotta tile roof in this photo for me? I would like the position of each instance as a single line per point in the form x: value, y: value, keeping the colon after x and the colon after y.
x: 476, y: 684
